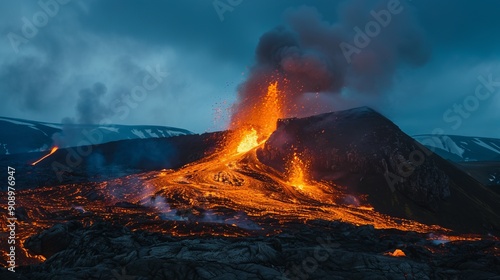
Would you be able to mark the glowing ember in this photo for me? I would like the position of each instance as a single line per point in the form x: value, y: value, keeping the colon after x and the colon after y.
x: 397, y: 253
x: 250, y: 141
x: 54, y: 149
x: 296, y: 173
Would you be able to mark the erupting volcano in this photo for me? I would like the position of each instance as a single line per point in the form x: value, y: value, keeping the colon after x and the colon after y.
x: 266, y: 177
x: 292, y: 189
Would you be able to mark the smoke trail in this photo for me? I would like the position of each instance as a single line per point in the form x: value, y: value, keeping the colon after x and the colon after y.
x: 90, y: 108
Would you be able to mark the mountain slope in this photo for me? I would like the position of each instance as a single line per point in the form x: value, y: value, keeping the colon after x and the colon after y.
x: 23, y: 136
x: 371, y: 157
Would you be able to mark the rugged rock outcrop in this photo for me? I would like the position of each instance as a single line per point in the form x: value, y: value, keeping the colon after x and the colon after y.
x: 317, y: 250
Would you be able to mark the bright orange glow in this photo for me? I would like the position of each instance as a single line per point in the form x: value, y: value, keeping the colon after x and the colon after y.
x: 249, y: 141
x: 270, y: 111
x: 261, y: 118
x: 232, y: 180
x: 54, y: 149
x: 296, y: 172
x: 397, y: 253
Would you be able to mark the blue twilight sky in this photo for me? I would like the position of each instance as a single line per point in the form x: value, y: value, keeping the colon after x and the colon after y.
x: 433, y: 66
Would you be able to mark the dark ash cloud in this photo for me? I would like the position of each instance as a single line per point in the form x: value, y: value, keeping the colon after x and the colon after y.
x: 305, y: 55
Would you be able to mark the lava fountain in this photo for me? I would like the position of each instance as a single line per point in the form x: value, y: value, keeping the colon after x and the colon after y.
x: 297, y: 171
x: 254, y: 124
x: 257, y: 123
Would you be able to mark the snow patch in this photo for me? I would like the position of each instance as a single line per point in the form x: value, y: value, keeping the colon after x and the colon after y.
x: 16, y: 122
x: 484, y: 145
x: 5, y: 148
x: 161, y: 132
x: 151, y: 133
x: 110, y: 128
x: 443, y: 143
x: 495, y: 145
x: 138, y: 133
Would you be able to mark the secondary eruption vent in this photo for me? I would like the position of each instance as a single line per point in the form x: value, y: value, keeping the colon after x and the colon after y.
x: 296, y: 171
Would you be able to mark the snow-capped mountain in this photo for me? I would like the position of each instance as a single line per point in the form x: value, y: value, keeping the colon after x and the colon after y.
x: 477, y: 156
x: 462, y: 148
x: 22, y: 136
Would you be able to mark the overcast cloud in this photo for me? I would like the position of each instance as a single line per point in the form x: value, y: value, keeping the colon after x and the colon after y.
x: 85, y: 62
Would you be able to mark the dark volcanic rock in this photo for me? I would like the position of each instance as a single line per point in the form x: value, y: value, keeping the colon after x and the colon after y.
x: 52, y: 240
x: 368, y: 157
x: 317, y: 250
x: 349, y: 146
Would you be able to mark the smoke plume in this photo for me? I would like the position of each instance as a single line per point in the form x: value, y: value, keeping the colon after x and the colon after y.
x: 90, y: 108
x: 305, y: 55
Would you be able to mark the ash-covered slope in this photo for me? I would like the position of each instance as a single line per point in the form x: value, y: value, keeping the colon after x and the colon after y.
x: 371, y: 157
x: 348, y: 146
x: 23, y: 136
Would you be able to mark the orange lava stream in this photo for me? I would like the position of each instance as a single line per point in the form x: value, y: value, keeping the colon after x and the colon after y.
x: 231, y: 189
x: 249, y: 141
x: 54, y: 149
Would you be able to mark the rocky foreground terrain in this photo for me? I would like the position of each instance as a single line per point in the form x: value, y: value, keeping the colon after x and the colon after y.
x: 317, y: 250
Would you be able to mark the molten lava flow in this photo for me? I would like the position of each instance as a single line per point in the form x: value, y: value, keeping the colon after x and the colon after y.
x: 230, y: 193
x: 54, y: 149
x: 249, y: 141
x: 296, y: 173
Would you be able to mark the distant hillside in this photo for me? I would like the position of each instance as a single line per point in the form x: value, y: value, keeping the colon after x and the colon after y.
x: 24, y: 136
x: 462, y: 148
x: 477, y: 156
